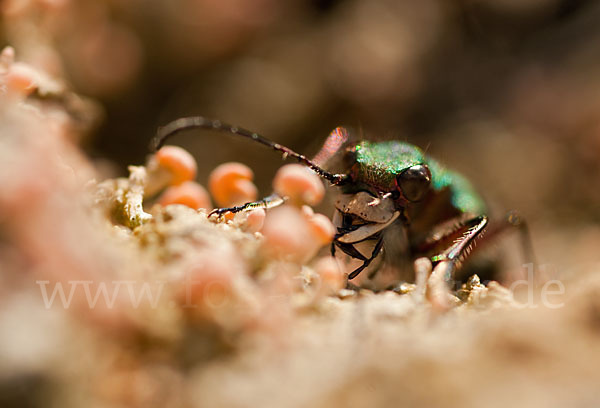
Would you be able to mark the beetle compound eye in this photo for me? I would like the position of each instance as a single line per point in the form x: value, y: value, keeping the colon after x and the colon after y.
x: 414, y: 182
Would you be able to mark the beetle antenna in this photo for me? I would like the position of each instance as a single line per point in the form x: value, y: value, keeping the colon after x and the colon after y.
x: 199, y: 122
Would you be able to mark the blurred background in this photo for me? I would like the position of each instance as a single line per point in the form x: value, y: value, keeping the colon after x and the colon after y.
x: 506, y: 91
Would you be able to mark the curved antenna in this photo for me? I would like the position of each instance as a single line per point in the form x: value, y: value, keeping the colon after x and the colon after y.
x: 199, y: 122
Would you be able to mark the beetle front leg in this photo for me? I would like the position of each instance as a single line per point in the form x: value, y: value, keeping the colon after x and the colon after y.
x: 348, y: 249
x: 513, y: 221
x: 271, y: 201
x: 466, y: 233
x: 352, y: 252
x: 367, y: 261
x: 348, y: 235
x: 472, y: 231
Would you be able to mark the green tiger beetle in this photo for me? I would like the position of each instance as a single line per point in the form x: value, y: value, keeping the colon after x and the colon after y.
x: 388, y: 189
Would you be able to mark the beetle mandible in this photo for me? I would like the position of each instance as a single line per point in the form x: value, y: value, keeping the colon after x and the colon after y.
x: 383, y: 184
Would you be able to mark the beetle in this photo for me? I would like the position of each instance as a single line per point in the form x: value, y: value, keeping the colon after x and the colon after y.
x: 385, y: 186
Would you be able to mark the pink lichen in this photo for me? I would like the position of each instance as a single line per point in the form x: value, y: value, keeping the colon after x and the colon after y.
x: 231, y: 184
x: 189, y: 193
x: 299, y: 184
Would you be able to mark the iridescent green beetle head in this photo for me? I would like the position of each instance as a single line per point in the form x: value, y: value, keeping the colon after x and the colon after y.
x: 391, y: 167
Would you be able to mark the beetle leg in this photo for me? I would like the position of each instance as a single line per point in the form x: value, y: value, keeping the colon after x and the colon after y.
x: 512, y: 221
x: 467, y: 231
x: 350, y: 249
x: 367, y: 261
x: 349, y: 235
x: 515, y: 220
x: 271, y: 201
